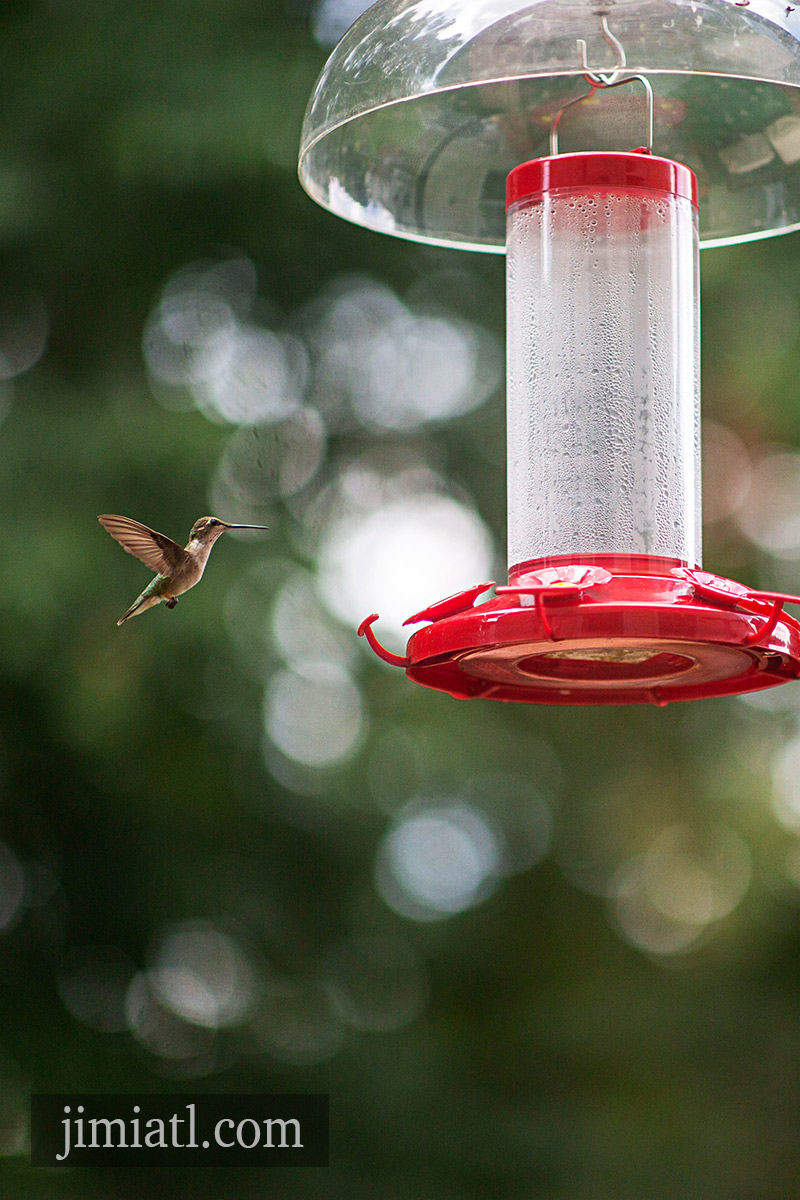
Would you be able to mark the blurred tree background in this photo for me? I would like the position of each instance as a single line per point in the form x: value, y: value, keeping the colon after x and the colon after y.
x: 528, y: 952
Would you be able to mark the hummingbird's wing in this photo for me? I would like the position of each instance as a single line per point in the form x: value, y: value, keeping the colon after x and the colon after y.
x: 155, y: 550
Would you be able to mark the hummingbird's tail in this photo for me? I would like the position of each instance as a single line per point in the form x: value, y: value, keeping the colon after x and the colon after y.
x: 140, y: 605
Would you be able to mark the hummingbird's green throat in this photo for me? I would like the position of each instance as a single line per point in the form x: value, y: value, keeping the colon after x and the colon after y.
x: 179, y: 567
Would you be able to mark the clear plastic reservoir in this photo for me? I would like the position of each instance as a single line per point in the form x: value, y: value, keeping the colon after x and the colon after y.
x: 603, y: 359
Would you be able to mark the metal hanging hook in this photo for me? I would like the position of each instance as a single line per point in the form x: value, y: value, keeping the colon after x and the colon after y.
x: 606, y: 79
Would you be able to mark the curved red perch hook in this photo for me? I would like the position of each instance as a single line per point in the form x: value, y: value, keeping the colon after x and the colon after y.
x: 768, y: 626
x: 365, y: 630
x: 539, y: 594
x: 778, y: 600
x: 538, y: 600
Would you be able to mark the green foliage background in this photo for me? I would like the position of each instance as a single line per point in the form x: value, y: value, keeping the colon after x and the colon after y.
x: 552, y: 1058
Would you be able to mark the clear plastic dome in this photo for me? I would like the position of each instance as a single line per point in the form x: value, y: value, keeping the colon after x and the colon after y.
x: 426, y: 105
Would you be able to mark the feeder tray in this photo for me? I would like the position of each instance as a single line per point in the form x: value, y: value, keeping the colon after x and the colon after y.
x: 613, y: 631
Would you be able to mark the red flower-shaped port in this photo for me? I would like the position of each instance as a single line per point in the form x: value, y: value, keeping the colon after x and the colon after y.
x: 555, y: 582
x: 563, y: 580
x: 451, y: 605
x: 713, y: 587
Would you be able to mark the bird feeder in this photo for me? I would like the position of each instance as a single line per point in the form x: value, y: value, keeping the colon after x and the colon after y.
x: 485, y: 126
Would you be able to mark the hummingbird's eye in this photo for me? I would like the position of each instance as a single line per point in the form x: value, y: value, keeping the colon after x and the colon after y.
x: 213, y: 521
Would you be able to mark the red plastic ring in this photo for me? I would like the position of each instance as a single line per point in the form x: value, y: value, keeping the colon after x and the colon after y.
x: 600, y: 169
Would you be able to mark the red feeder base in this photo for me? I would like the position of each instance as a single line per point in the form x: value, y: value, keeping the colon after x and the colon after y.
x: 603, y: 630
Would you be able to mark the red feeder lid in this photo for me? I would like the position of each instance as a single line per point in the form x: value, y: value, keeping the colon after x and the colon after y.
x: 594, y: 169
x: 610, y: 630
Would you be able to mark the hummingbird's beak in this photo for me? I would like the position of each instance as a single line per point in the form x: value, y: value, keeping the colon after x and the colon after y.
x: 227, y: 526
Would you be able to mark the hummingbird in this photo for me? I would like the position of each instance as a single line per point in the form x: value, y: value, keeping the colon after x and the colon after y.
x: 179, y: 567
